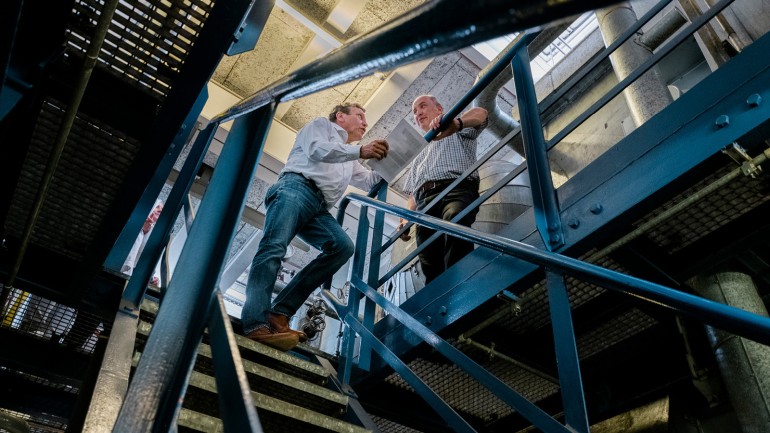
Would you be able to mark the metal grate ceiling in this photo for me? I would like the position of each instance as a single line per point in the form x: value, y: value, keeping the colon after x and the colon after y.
x: 91, y: 170
x: 709, y: 213
x: 147, y: 42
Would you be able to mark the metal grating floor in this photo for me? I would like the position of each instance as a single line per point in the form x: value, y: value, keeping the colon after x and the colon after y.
x: 47, y: 320
x: 709, y: 213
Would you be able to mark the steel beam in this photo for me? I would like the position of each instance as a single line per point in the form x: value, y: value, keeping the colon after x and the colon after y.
x: 656, y: 154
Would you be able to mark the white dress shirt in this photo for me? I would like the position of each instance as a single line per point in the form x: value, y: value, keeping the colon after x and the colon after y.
x: 321, y: 155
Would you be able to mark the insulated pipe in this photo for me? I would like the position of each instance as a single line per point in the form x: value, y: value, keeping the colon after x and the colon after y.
x: 663, y: 29
x: 500, y: 122
x: 744, y: 364
x: 647, y: 95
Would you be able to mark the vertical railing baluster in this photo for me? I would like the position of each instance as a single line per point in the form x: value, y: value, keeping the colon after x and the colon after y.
x: 370, y: 307
x: 544, y: 198
x: 354, y: 298
x: 567, y: 360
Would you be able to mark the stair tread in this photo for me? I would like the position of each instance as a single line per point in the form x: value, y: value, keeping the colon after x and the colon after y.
x: 265, y: 403
x: 290, y: 364
x: 271, y: 381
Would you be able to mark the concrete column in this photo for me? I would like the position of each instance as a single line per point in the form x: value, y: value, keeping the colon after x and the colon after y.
x: 648, y: 94
x: 744, y: 364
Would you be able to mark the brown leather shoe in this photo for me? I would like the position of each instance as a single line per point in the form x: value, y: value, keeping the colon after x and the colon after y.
x: 282, y: 341
x: 280, y: 323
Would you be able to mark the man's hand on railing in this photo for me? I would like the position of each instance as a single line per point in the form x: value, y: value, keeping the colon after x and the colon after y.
x: 405, y: 236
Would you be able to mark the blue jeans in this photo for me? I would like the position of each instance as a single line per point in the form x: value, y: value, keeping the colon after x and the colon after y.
x: 295, y: 207
x: 446, y: 250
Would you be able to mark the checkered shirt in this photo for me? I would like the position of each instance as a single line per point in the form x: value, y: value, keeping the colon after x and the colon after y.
x: 447, y: 158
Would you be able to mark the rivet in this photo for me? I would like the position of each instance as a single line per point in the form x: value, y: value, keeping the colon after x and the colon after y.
x: 754, y: 100
x: 428, y: 320
x: 596, y: 209
x: 443, y: 310
x: 574, y: 223
x: 555, y: 239
x: 722, y: 121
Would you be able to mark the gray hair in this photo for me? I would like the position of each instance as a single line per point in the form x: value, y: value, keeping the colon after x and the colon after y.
x: 344, y: 108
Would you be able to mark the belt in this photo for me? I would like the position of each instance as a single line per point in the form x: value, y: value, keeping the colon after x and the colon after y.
x: 308, y: 182
x: 431, y: 185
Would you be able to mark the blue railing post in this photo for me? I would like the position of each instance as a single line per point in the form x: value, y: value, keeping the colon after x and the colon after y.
x: 354, y: 297
x: 543, y: 194
x: 236, y: 407
x: 567, y: 360
x: 160, y: 235
x: 122, y: 246
x: 153, y: 397
x: 370, y: 308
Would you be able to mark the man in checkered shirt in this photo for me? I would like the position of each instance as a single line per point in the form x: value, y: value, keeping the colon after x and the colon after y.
x: 442, y: 161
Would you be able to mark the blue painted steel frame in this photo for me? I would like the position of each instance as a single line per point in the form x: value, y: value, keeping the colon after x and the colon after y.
x: 533, y: 413
x: 245, y: 39
x: 161, y: 234
x: 151, y: 402
x: 546, y: 205
x: 125, y: 241
x: 643, y: 163
x: 172, y: 126
x: 236, y: 407
x: 734, y: 320
x: 567, y: 360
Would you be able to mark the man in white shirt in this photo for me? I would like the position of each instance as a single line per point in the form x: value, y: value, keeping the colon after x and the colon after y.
x: 320, y: 166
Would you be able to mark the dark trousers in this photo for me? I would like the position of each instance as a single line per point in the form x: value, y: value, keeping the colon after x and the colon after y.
x: 446, y: 250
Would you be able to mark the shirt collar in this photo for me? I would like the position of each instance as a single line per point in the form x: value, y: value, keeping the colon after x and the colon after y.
x: 340, y: 130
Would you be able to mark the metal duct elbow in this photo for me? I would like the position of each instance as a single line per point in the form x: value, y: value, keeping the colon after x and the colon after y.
x: 500, y: 122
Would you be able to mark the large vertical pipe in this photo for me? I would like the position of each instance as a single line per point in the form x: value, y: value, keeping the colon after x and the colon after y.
x: 744, y: 364
x: 647, y: 95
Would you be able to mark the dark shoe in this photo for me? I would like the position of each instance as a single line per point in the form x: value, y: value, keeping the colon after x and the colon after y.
x: 282, y: 341
x: 280, y: 323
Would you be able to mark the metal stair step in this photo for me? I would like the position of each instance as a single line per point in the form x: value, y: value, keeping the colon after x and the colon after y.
x: 276, y: 415
x: 253, y: 351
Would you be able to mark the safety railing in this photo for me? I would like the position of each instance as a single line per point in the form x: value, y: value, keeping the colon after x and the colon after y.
x: 546, y: 209
x: 161, y: 375
x: 731, y: 319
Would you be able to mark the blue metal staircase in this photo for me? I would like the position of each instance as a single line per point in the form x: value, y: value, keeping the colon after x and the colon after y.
x: 548, y: 256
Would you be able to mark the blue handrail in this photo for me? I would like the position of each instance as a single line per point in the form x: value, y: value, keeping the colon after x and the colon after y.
x: 731, y: 319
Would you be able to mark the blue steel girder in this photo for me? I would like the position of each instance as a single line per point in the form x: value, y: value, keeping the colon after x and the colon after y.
x: 168, y: 134
x: 652, y: 157
x: 247, y: 35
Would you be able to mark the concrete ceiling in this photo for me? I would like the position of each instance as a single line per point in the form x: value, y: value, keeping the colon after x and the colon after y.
x: 297, y: 32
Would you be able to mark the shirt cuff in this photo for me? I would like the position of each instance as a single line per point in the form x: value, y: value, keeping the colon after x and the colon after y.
x: 354, y: 151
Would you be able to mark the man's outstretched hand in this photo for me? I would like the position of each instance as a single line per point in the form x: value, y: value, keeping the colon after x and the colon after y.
x: 376, y: 149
